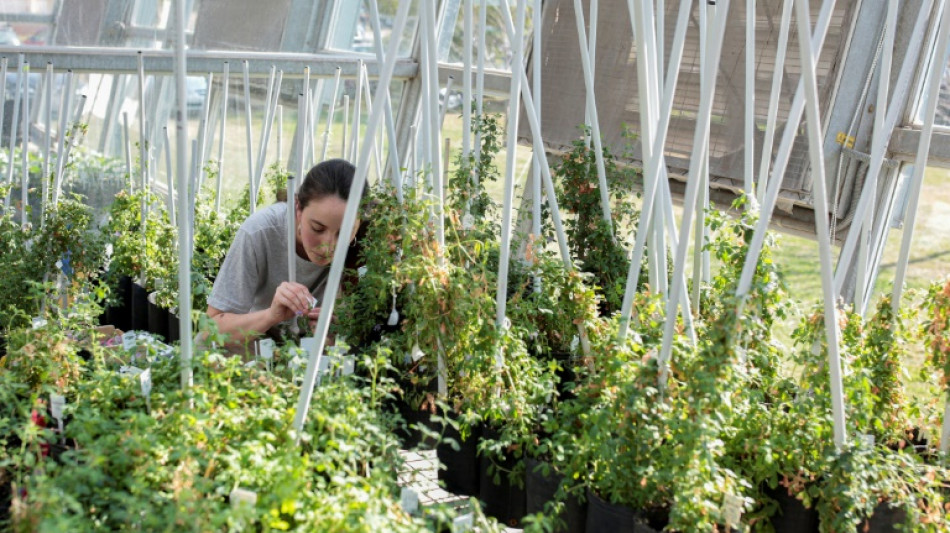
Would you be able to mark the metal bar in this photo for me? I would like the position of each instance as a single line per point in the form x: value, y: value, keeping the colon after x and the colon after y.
x: 184, y: 207
x: 346, y: 119
x: 143, y: 140
x: 357, y: 115
x: 749, y: 152
x: 13, y: 127
x: 467, y: 72
x: 64, y: 108
x: 47, y: 113
x: 170, y: 177
x: 330, y: 113
x: 268, y: 126
x: 771, y: 121
x: 815, y: 150
x: 349, y: 218
x: 204, y: 126
x: 536, y: 166
x: 24, y: 147
x: 387, y: 107
x: 110, y: 60
x: 225, y: 83
x: 250, y: 141
x: 480, y: 72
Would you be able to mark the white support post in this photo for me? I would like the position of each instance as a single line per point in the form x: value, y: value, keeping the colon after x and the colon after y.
x: 349, y: 219
x: 377, y: 146
x: 24, y: 147
x: 184, y: 207
x: 143, y: 140
x: 394, y: 159
x: 514, y: 105
x: 64, y: 108
x: 346, y: 120
x: 47, y: 113
x: 204, y: 126
x: 3, y: 94
x: 274, y: 93
x: 443, y: 109
x: 480, y: 70
x: 749, y: 152
x: 13, y: 127
x: 170, y: 177
x: 592, y: 110
x: 772, y: 119
x: 225, y: 81
x: 467, y: 75
x: 929, y: 107
x: 536, y: 167
x: 357, y: 113
x: 280, y: 130
x: 700, y: 139
x: 250, y: 138
x: 330, y: 113
x: 815, y: 150
x: 435, y: 129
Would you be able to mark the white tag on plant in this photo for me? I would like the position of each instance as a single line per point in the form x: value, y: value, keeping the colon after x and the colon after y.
x: 241, y: 496
x: 38, y: 322
x: 349, y: 365
x: 129, y: 371
x: 468, y: 221
x: 309, y: 345
x: 393, y: 319
x: 416, y: 353
x: 409, y: 500
x: 267, y: 349
x: 731, y: 510
x: 867, y: 439
x: 128, y: 340
x: 56, y: 404
x: 463, y: 523
x: 361, y: 271
x: 145, y: 379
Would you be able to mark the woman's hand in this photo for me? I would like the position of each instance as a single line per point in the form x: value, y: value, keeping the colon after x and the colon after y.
x: 291, y: 299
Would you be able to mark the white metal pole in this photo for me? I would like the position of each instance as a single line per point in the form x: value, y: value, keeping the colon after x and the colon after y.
x: 48, y: 115
x: 387, y: 106
x: 592, y: 110
x: 205, y: 133
x: 169, y: 177
x: 143, y: 141
x: 445, y: 102
x: 250, y: 140
x: 929, y: 108
x: 749, y: 152
x: 815, y: 150
x: 3, y: 94
x: 467, y: 75
x: 349, y: 219
x: 64, y: 108
x: 24, y: 147
x: 536, y: 167
x: 781, y: 159
x: 357, y: 113
x: 480, y: 71
x: 225, y: 82
x: 700, y: 139
x: 870, y: 187
x: 184, y: 207
x: 13, y: 128
x: 291, y: 194
x: 330, y: 113
x: 377, y: 146
x: 76, y: 130
x: 771, y: 121
x: 501, y: 295
x: 435, y: 129
x: 268, y: 126
x: 346, y: 119
x: 280, y: 131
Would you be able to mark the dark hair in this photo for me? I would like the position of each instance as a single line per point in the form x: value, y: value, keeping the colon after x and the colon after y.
x: 332, y: 177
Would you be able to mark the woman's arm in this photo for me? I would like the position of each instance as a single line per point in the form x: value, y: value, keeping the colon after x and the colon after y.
x: 290, y: 299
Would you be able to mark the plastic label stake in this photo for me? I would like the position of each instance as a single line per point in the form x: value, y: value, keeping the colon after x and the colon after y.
x: 145, y: 379
x: 732, y: 510
x: 56, y: 404
x: 241, y: 497
x: 38, y: 322
x: 128, y: 340
x: 267, y: 351
x: 463, y: 524
x: 409, y: 500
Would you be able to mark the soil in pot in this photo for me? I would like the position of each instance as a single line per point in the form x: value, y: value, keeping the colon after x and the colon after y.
x: 504, y: 500
x: 460, y: 475
x: 606, y: 517
x: 540, y: 489
x: 792, y: 516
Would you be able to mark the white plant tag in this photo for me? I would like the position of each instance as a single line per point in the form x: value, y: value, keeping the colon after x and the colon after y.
x: 416, y: 353
x: 409, y: 500
x: 243, y: 497
x: 349, y: 365
x: 128, y: 340
x: 867, y: 439
x: 56, y: 404
x: 393, y: 319
x: 309, y: 345
x: 323, y: 364
x: 732, y: 510
x: 361, y: 271
x: 129, y: 371
x: 463, y: 524
x: 575, y: 342
x: 145, y: 379
x: 38, y: 322
x: 468, y: 221
x: 267, y: 349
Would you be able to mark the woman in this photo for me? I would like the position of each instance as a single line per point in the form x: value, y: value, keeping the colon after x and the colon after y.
x: 252, y: 295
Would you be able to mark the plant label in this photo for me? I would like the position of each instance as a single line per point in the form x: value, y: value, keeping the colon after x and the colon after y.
x: 468, y: 221
x: 416, y: 353
x: 393, y: 319
x: 129, y: 371
x: 867, y: 439
x: 732, y: 510
x: 361, y: 271
x: 128, y: 340
x: 241, y: 497
x: 309, y: 345
x: 267, y: 349
x: 410, y: 500
x: 323, y: 365
x: 145, y: 379
x: 463, y: 524
x: 38, y: 322
x: 56, y: 404
x: 349, y: 365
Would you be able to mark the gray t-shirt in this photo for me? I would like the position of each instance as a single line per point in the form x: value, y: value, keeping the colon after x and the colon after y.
x: 256, y: 265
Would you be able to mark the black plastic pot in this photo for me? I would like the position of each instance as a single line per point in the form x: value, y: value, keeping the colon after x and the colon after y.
x: 460, y: 475
x: 606, y: 517
x: 158, y: 318
x: 410, y: 436
x: 886, y: 519
x: 139, y: 308
x: 792, y: 516
x: 120, y: 314
x: 174, y: 328
x: 540, y: 489
x: 504, y: 500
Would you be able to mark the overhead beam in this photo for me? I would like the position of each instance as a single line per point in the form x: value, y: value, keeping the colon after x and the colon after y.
x: 904, y: 144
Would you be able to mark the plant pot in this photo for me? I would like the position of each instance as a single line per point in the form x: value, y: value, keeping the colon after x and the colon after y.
x: 606, y: 517
x: 158, y: 318
x: 410, y: 436
x: 139, y: 308
x: 503, y: 500
x: 540, y: 489
x: 460, y: 475
x: 792, y: 516
x: 174, y: 328
x: 120, y: 314
x: 886, y: 519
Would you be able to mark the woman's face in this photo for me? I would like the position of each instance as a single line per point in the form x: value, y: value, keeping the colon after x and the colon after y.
x: 318, y: 228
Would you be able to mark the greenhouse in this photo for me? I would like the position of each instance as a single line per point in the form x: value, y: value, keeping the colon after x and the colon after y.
x: 592, y: 266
